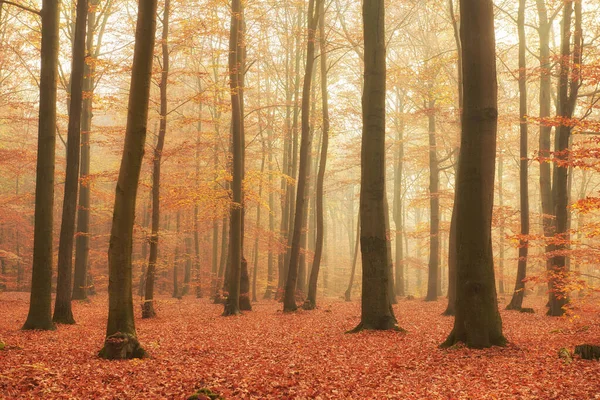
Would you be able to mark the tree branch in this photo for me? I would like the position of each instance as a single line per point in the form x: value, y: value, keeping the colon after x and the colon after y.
x: 21, y: 6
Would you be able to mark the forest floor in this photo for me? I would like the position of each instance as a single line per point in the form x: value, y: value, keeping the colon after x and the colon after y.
x: 265, y: 354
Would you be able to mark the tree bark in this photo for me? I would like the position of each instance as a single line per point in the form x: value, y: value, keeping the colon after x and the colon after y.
x: 289, y: 301
x: 40, y: 302
x: 148, y: 305
x: 450, y: 309
x: 516, y: 303
x: 477, y: 322
x: 376, y: 309
x: 120, y: 299
x: 568, y: 88
x: 434, y: 207
x: 62, y: 307
x: 232, y: 304
x: 311, y: 300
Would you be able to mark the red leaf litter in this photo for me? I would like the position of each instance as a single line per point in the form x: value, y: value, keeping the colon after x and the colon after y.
x: 265, y: 354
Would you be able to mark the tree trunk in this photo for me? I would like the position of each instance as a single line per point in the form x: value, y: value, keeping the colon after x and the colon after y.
x: 148, y: 305
x: 502, y: 223
x: 376, y: 309
x: 289, y: 301
x: 82, y: 241
x: 450, y: 309
x: 311, y: 300
x: 271, y: 258
x: 62, y: 307
x: 176, y: 259
x: 434, y: 206
x: 348, y: 293
x: 398, y: 172
x: 569, y: 82
x: 40, y: 302
x: 120, y: 299
x: 232, y: 305
x: 516, y: 303
x: 477, y: 322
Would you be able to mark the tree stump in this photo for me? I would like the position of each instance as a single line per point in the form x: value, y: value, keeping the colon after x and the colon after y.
x: 588, y: 351
x: 122, y: 346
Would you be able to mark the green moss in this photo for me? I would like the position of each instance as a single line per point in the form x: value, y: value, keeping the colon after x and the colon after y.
x: 205, y: 393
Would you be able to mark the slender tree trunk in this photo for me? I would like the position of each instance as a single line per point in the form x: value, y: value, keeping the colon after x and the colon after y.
x: 82, y: 240
x: 502, y: 223
x: 40, y: 302
x: 545, y: 101
x: 398, y: 171
x: 271, y: 258
x: 289, y: 301
x: 215, y: 250
x: 477, y: 322
x: 376, y: 309
x: 176, y: 259
x: 187, y: 273
x: 348, y: 293
x: 148, y: 305
x: 311, y: 300
x: 450, y: 309
x: 516, y: 303
x: 569, y: 82
x: 121, y: 341
x: 434, y: 205
x: 62, y: 307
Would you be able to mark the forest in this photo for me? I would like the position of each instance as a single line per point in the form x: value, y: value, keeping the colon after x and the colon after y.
x: 300, y: 199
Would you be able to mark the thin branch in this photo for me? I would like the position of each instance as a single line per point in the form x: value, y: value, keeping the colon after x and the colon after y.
x: 22, y: 7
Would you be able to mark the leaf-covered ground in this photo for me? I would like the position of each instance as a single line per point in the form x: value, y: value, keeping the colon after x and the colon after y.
x: 266, y: 354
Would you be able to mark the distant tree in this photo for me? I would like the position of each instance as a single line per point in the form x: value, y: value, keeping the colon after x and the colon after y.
x: 477, y: 322
x: 376, y: 308
x: 121, y: 339
x: 40, y: 303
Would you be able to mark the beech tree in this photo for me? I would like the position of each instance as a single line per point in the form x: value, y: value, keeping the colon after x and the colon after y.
x: 477, y: 322
x: 121, y: 338
x: 289, y: 301
x: 62, y: 308
x: 40, y: 303
x: 376, y: 308
x: 148, y: 307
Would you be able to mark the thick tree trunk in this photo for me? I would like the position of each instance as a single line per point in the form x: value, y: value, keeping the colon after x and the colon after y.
x: 148, y: 305
x: 516, y: 303
x: 311, y: 300
x: 120, y: 299
x: 376, y: 309
x: 568, y: 87
x: 477, y: 322
x: 434, y: 208
x: 62, y: 307
x: 232, y: 305
x: 40, y: 302
x: 289, y: 301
